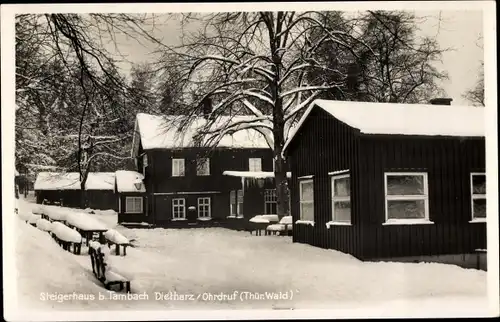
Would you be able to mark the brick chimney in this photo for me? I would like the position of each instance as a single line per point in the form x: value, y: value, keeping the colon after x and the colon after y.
x: 207, y: 107
x: 441, y: 101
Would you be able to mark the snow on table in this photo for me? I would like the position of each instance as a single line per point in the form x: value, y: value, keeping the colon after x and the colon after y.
x: 115, y: 237
x: 286, y: 220
x: 34, y: 218
x: 84, y: 222
x: 43, y: 224
x: 65, y: 233
x: 259, y: 220
x: 56, y: 213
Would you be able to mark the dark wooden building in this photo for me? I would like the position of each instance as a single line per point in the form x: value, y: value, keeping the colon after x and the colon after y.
x: 64, y: 189
x: 132, y: 199
x: 389, y: 181
x: 191, y: 184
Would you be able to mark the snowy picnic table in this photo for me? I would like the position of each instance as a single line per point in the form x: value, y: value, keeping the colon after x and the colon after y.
x: 284, y: 225
x: 113, y: 237
x: 54, y: 213
x: 66, y: 237
x: 260, y: 223
x: 86, y: 225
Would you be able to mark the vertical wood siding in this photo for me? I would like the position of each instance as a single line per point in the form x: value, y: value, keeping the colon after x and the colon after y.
x: 448, y: 163
x: 324, y: 145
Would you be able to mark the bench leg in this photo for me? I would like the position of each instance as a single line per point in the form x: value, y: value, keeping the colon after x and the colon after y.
x: 127, y: 287
x: 117, y: 249
x: 124, y: 250
x: 121, y: 286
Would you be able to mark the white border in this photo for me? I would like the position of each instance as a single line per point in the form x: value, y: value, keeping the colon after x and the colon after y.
x: 13, y: 312
x: 424, y: 197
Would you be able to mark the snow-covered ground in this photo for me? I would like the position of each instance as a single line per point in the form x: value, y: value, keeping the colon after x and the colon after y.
x: 205, y: 269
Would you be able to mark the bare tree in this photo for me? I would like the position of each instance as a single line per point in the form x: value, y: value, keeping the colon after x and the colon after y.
x: 49, y: 49
x: 257, y: 64
x: 475, y: 95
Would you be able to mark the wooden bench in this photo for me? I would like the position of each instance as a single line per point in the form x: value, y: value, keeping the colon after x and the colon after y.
x: 283, y: 227
x: 106, y: 277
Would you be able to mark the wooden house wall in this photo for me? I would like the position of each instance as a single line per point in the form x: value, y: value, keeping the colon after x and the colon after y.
x: 94, y: 199
x: 101, y: 199
x: 133, y: 218
x: 448, y: 162
x: 162, y: 187
x: 323, y: 145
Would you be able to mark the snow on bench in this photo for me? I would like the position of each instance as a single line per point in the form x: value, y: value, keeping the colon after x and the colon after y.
x: 66, y: 237
x: 44, y: 225
x: 259, y: 220
x: 103, y: 269
x: 38, y: 210
x: 113, y: 237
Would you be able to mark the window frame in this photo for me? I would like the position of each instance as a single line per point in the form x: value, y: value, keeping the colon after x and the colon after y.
x: 251, y: 161
x: 183, y: 205
x: 240, y: 197
x: 135, y: 198
x: 424, y: 197
x: 207, y: 164
x: 335, y: 199
x: 199, y: 205
x: 178, y: 161
x: 301, y: 183
x: 270, y: 199
x: 474, y: 196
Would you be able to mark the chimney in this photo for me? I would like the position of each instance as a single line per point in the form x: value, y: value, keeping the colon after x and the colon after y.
x: 207, y: 107
x: 441, y: 101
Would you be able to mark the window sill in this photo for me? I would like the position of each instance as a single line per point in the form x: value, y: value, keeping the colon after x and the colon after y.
x: 407, y: 222
x: 337, y: 223
x: 179, y: 219
x: 478, y: 220
x: 235, y: 217
x: 305, y: 222
x: 204, y: 218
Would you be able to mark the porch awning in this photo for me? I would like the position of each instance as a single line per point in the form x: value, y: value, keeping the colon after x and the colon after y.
x: 253, y: 174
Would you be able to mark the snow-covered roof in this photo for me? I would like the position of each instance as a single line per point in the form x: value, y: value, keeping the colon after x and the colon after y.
x: 403, y: 119
x: 125, y: 181
x: 71, y: 181
x: 253, y: 174
x: 162, y: 132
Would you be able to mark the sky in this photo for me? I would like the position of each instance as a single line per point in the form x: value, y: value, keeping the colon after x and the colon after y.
x: 460, y: 31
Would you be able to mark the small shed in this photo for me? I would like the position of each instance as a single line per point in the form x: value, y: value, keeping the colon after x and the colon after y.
x: 132, y: 198
x: 389, y: 181
x: 63, y: 188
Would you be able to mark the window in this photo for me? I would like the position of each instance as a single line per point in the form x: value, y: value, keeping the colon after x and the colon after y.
x: 232, y: 203
x: 177, y: 167
x: 406, y: 196
x: 236, y: 203
x: 144, y: 164
x: 270, y: 202
x: 478, y: 196
x: 306, y: 200
x: 179, y: 208
x: 133, y: 205
x: 204, y: 207
x: 239, y: 202
x: 341, y: 198
x: 255, y: 164
x: 203, y: 167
